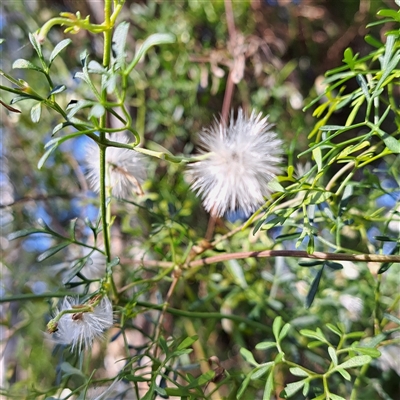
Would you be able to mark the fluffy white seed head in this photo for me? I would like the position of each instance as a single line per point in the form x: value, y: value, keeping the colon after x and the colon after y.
x: 245, y: 157
x: 81, y: 328
x: 125, y: 169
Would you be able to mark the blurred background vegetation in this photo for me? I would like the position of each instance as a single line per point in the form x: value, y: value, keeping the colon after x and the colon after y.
x: 287, y: 46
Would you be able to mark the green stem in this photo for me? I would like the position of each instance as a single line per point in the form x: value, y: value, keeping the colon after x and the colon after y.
x: 205, y: 315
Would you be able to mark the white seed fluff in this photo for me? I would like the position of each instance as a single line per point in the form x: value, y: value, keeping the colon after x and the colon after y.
x: 244, y: 158
x: 81, y: 328
x: 125, y: 168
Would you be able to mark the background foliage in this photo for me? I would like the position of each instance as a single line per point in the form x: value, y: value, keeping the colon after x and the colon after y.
x: 339, y: 193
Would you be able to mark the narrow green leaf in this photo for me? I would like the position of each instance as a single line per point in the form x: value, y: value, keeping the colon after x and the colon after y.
x: 388, y: 50
x: 357, y: 361
x: 36, y: 112
x: 95, y: 68
x: 56, y: 51
x: 314, y: 288
x: 317, y: 154
x: 333, y: 396
x: 392, y: 318
x: 248, y: 356
x: 161, y: 391
x: 243, y: 386
x: 261, y: 370
x: 292, y: 388
x: 152, y: 40
x: 69, y: 370
x: 374, y: 353
x: 332, y: 355
x: 45, y: 156
x: 348, y: 57
x: 284, y: 332
x: 25, y: 64
x: 187, y: 342
x: 363, y: 85
x: 36, y: 46
x: 112, y: 264
x: 332, y: 127
x: 373, y: 42
x: 24, y: 233
x: 334, y: 329
x: 19, y: 98
x: 306, y: 388
x: 314, y: 334
x: 309, y: 264
x: 97, y: 111
x: 269, y: 386
x: 334, y: 265
x: 391, y: 143
x: 50, y: 252
x: 344, y: 373
x: 265, y: 345
x: 58, y: 89
x: 119, y: 42
x: 276, y: 327
x: 203, y: 379
x: 296, y: 371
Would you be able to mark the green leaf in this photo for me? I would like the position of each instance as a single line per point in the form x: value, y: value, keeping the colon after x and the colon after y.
x: 374, y: 353
x: 332, y: 127
x: 36, y: 112
x: 357, y: 361
x: 316, y: 197
x: 248, y: 356
x: 334, y: 329
x: 296, y: 371
x: 265, y: 345
x: 56, y: 51
x: 237, y: 272
x: 317, y: 154
x: 36, y: 46
x: 334, y: 265
x: 201, y: 380
x: 69, y: 370
x: 344, y: 373
x: 373, y: 42
x: 276, y: 327
x: 24, y: 233
x: 392, y: 318
x: 388, y: 51
x: 95, y: 68
x: 314, y: 334
x: 45, y: 156
x: 243, y: 386
x: 187, y: 342
x: 284, y: 332
x: 112, y: 264
x: 50, y: 252
x: 161, y: 391
x: 333, y: 396
x: 292, y: 388
x: 25, y: 64
x: 152, y: 40
x: 58, y: 89
x: 391, y: 143
x: 97, y: 111
x: 348, y: 57
x: 389, y: 13
x: 363, y: 85
x: 119, y: 42
x: 261, y: 370
x: 332, y: 355
x: 269, y: 386
x: 314, y: 288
